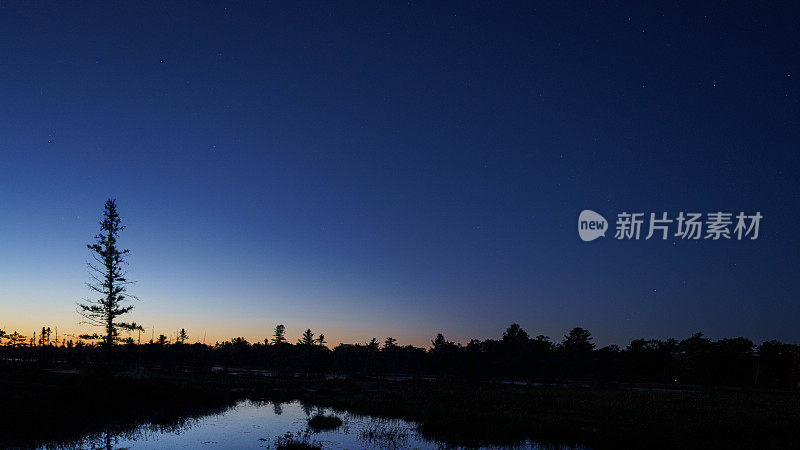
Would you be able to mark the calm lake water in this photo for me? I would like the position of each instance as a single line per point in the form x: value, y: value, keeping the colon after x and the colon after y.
x: 259, y: 425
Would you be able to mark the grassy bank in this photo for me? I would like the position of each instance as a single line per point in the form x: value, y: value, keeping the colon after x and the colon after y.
x: 500, y: 414
x: 464, y: 414
x: 40, y: 406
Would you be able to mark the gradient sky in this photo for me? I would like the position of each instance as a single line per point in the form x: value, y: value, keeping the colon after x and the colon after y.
x: 401, y: 169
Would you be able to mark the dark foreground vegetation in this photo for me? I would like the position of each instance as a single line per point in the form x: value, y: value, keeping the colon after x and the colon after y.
x: 48, y: 406
x: 41, y: 406
x: 321, y: 422
x: 475, y: 414
x: 695, y: 360
x: 678, y: 394
x: 723, y: 393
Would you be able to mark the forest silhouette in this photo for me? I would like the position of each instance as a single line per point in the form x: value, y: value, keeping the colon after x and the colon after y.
x: 639, y: 395
x: 515, y: 356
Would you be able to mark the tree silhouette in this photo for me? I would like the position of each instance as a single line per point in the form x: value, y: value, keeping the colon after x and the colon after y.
x: 373, y: 345
x: 182, y: 336
x: 307, y: 339
x: 44, y: 336
x: 15, y: 339
x: 108, y: 279
x: 541, y: 343
x: 695, y: 360
x: 439, y: 343
x: 514, y: 334
x: 279, y: 335
x: 578, y: 341
x: 321, y: 339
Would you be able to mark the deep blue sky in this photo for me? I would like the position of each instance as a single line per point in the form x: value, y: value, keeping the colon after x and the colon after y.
x: 402, y: 168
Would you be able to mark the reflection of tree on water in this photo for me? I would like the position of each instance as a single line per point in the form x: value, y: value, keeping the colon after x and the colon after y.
x: 367, y: 431
x: 108, y: 439
x: 135, y: 431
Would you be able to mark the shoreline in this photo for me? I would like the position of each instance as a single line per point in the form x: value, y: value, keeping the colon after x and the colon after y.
x: 458, y: 413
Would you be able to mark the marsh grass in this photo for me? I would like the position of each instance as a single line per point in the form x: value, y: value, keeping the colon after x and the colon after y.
x: 384, y: 436
x: 457, y: 414
x: 472, y: 414
x: 296, y: 441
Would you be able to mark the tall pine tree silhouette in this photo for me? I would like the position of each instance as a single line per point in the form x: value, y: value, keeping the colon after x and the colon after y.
x: 108, y: 279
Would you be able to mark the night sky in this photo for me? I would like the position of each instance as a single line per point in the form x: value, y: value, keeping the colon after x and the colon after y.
x: 402, y: 169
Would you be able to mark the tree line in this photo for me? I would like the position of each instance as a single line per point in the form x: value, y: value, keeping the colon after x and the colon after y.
x: 515, y: 356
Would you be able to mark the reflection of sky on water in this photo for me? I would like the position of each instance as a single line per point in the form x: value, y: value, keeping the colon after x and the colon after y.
x: 255, y: 425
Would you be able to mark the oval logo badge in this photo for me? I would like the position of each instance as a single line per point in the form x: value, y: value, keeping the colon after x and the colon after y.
x: 591, y: 225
